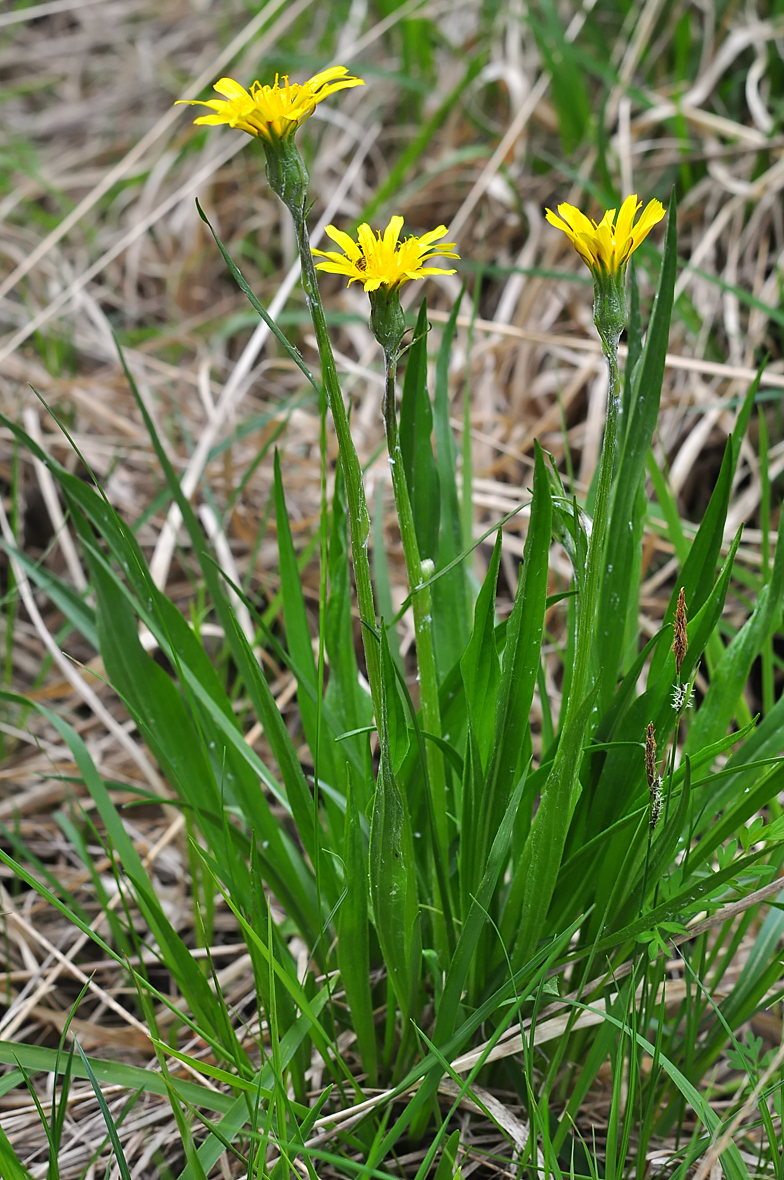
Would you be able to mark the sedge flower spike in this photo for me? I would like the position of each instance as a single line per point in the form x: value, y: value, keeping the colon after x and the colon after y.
x: 272, y: 112
x: 382, y: 263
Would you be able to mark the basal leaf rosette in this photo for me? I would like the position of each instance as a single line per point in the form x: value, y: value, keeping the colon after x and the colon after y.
x: 382, y: 263
x: 605, y: 247
x: 272, y: 114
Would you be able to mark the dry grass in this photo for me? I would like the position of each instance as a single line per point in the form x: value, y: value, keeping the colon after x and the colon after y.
x: 100, y: 234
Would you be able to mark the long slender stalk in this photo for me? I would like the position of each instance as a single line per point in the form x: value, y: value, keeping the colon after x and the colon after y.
x: 421, y: 604
x: 544, y: 847
x: 586, y: 620
x: 359, y: 519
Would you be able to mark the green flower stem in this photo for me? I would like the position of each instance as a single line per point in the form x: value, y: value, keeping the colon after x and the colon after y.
x: 543, y: 850
x: 422, y: 606
x: 352, y: 472
x: 586, y: 620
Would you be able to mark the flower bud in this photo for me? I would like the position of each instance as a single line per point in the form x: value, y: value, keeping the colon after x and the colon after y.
x: 387, y: 319
x: 286, y: 172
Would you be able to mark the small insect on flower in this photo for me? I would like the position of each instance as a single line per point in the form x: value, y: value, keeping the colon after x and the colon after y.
x: 272, y: 112
x: 383, y: 260
x: 605, y: 246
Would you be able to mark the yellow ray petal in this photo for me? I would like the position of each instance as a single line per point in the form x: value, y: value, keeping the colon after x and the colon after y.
x: 575, y: 219
x: 652, y: 214
x: 344, y: 240
x: 392, y: 232
x: 230, y: 89
x: 625, y: 221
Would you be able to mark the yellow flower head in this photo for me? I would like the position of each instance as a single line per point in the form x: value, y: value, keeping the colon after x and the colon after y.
x: 382, y: 260
x: 272, y: 112
x: 605, y: 247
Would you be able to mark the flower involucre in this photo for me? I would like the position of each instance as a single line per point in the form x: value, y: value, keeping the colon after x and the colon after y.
x: 605, y: 247
x: 272, y: 112
x: 382, y: 260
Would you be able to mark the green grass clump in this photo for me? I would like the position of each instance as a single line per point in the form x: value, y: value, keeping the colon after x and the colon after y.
x: 496, y: 892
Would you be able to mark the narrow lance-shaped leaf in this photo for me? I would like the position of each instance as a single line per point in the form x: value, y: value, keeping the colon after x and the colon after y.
x: 416, y: 428
x: 480, y: 665
x: 699, y: 569
x: 393, y: 878
x: 179, y: 959
x: 349, y: 704
x: 521, y: 660
x: 534, y: 880
x: 451, y: 596
x: 731, y: 674
x: 298, y: 634
x: 125, y: 548
x: 353, y: 949
x: 622, y: 773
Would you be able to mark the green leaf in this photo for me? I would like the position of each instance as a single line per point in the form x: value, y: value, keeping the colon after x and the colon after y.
x: 634, y: 345
x: 535, y: 876
x: 353, y: 948
x: 148, y: 692
x: 476, y: 921
x: 699, y: 569
x: 469, y: 845
x: 345, y: 698
x: 622, y: 772
x: 731, y: 674
x: 448, y: 1167
x: 397, y: 728
x: 251, y: 297
x: 381, y: 578
x: 79, y: 613
x: 416, y: 427
x: 111, y: 1127
x: 521, y: 659
x: 298, y: 635
x: 10, y: 1167
x: 37, y: 1059
x: 480, y: 666
x: 451, y: 595
x: 393, y: 877
x: 233, y: 756
x: 298, y: 791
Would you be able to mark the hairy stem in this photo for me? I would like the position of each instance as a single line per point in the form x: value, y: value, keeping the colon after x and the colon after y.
x: 586, y: 620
